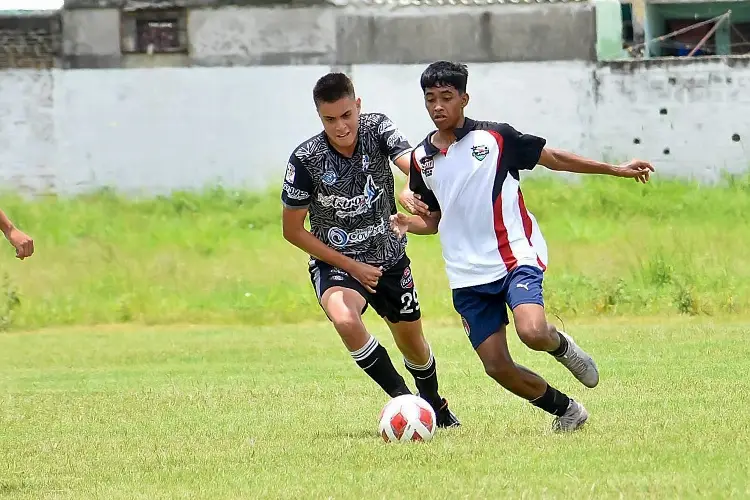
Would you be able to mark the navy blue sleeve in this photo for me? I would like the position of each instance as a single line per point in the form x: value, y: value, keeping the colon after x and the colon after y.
x: 418, y: 186
x: 298, y: 185
x: 523, y: 150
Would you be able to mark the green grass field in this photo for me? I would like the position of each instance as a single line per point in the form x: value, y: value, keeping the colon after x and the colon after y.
x: 283, y: 412
x: 616, y: 247
x: 113, y: 386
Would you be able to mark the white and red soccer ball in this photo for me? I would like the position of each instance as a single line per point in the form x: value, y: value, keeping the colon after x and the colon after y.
x: 407, y: 418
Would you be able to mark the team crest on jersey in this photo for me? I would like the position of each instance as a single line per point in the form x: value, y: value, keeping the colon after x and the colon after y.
x: 466, y: 326
x: 329, y: 177
x: 480, y: 152
x: 406, y: 280
x: 365, y: 162
x: 289, y: 173
x: 427, y: 165
x: 372, y: 192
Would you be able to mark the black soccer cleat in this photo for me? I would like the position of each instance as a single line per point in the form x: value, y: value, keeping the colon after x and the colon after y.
x: 445, y: 417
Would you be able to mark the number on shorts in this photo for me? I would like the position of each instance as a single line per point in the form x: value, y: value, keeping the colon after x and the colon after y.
x: 408, y: 299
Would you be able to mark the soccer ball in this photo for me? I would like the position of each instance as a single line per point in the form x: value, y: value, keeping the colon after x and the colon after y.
x: 407, y: 418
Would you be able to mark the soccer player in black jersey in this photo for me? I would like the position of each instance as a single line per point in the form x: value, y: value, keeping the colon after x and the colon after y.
x: 342, y: 178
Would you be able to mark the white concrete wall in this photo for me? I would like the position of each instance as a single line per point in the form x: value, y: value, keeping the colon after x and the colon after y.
x: 155, y: 130
x: 548, y: 99
x: 28, y: 142
x: 240, y: 34
x: 706, y: 103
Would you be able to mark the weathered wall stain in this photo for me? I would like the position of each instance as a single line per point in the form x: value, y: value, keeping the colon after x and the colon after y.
x: 165, y: 128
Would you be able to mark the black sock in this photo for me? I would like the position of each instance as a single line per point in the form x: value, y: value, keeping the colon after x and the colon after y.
x: 552, y: 401
x: 425, y: 378
x: 562, y: 347
x: 374, y: 360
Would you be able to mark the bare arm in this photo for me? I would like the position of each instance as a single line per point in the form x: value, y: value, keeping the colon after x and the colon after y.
x: 403, y: 162
x: 424, y: 224
x: 23, y: 244
x: 5, y: 224
x: 415, y: 224
x: 293, y: 223
x: 296, y: 195
x: 564, y: 161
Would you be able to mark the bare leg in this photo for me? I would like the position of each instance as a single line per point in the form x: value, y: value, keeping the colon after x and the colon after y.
x: 538, y: 334
x: 499, y: 365
x: 534, y: 330
x: 344, y: 307
x: 525, y: 383
x: 410, y: 340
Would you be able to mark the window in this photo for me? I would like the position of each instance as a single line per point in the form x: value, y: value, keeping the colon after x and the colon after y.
x: 740, y: 38
x: 628, y: 35
x: 154, y: 32
x: 684, y: 43
x: 157, y: 36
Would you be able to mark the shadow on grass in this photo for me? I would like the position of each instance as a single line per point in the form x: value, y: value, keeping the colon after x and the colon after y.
x: 364, y: 434
x: 10, y: 487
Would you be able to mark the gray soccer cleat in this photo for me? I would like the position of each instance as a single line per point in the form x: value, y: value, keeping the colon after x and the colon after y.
x: 573, y: 418
x: 580, y: 364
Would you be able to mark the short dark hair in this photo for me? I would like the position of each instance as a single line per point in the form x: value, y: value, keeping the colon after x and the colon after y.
x: 445, y: 74
x: 332, y: 87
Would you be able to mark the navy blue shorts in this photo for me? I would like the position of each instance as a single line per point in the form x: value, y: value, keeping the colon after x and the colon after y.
x: 483, y: 307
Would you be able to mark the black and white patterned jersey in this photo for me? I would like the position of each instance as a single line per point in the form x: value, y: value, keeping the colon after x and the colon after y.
x: 350, y: 199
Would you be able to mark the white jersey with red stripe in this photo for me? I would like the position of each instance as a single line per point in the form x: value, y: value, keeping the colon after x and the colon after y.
x: 485, y: 229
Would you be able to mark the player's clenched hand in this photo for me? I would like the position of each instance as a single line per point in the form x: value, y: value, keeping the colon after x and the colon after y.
x: 411, y: 202
x: 367, y: 275
x: 23, y: 244
x: 637, y: 169
x: 399, y: 224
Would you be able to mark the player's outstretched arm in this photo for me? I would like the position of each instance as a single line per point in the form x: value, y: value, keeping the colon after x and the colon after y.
x: 415, y: 224
x: 564, y: 161
x: 293, y: 227
x: 293, y: 224
x: 23, y: 244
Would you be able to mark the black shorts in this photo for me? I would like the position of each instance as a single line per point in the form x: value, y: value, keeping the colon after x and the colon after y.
x: 396, y: 298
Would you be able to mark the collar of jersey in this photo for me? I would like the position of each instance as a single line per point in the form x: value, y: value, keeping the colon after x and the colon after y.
x: 431, y: 150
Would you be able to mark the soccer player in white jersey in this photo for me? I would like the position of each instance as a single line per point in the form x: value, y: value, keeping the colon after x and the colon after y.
x: 23, y: 244
x: 341, y: 177
x: 468, y: 172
